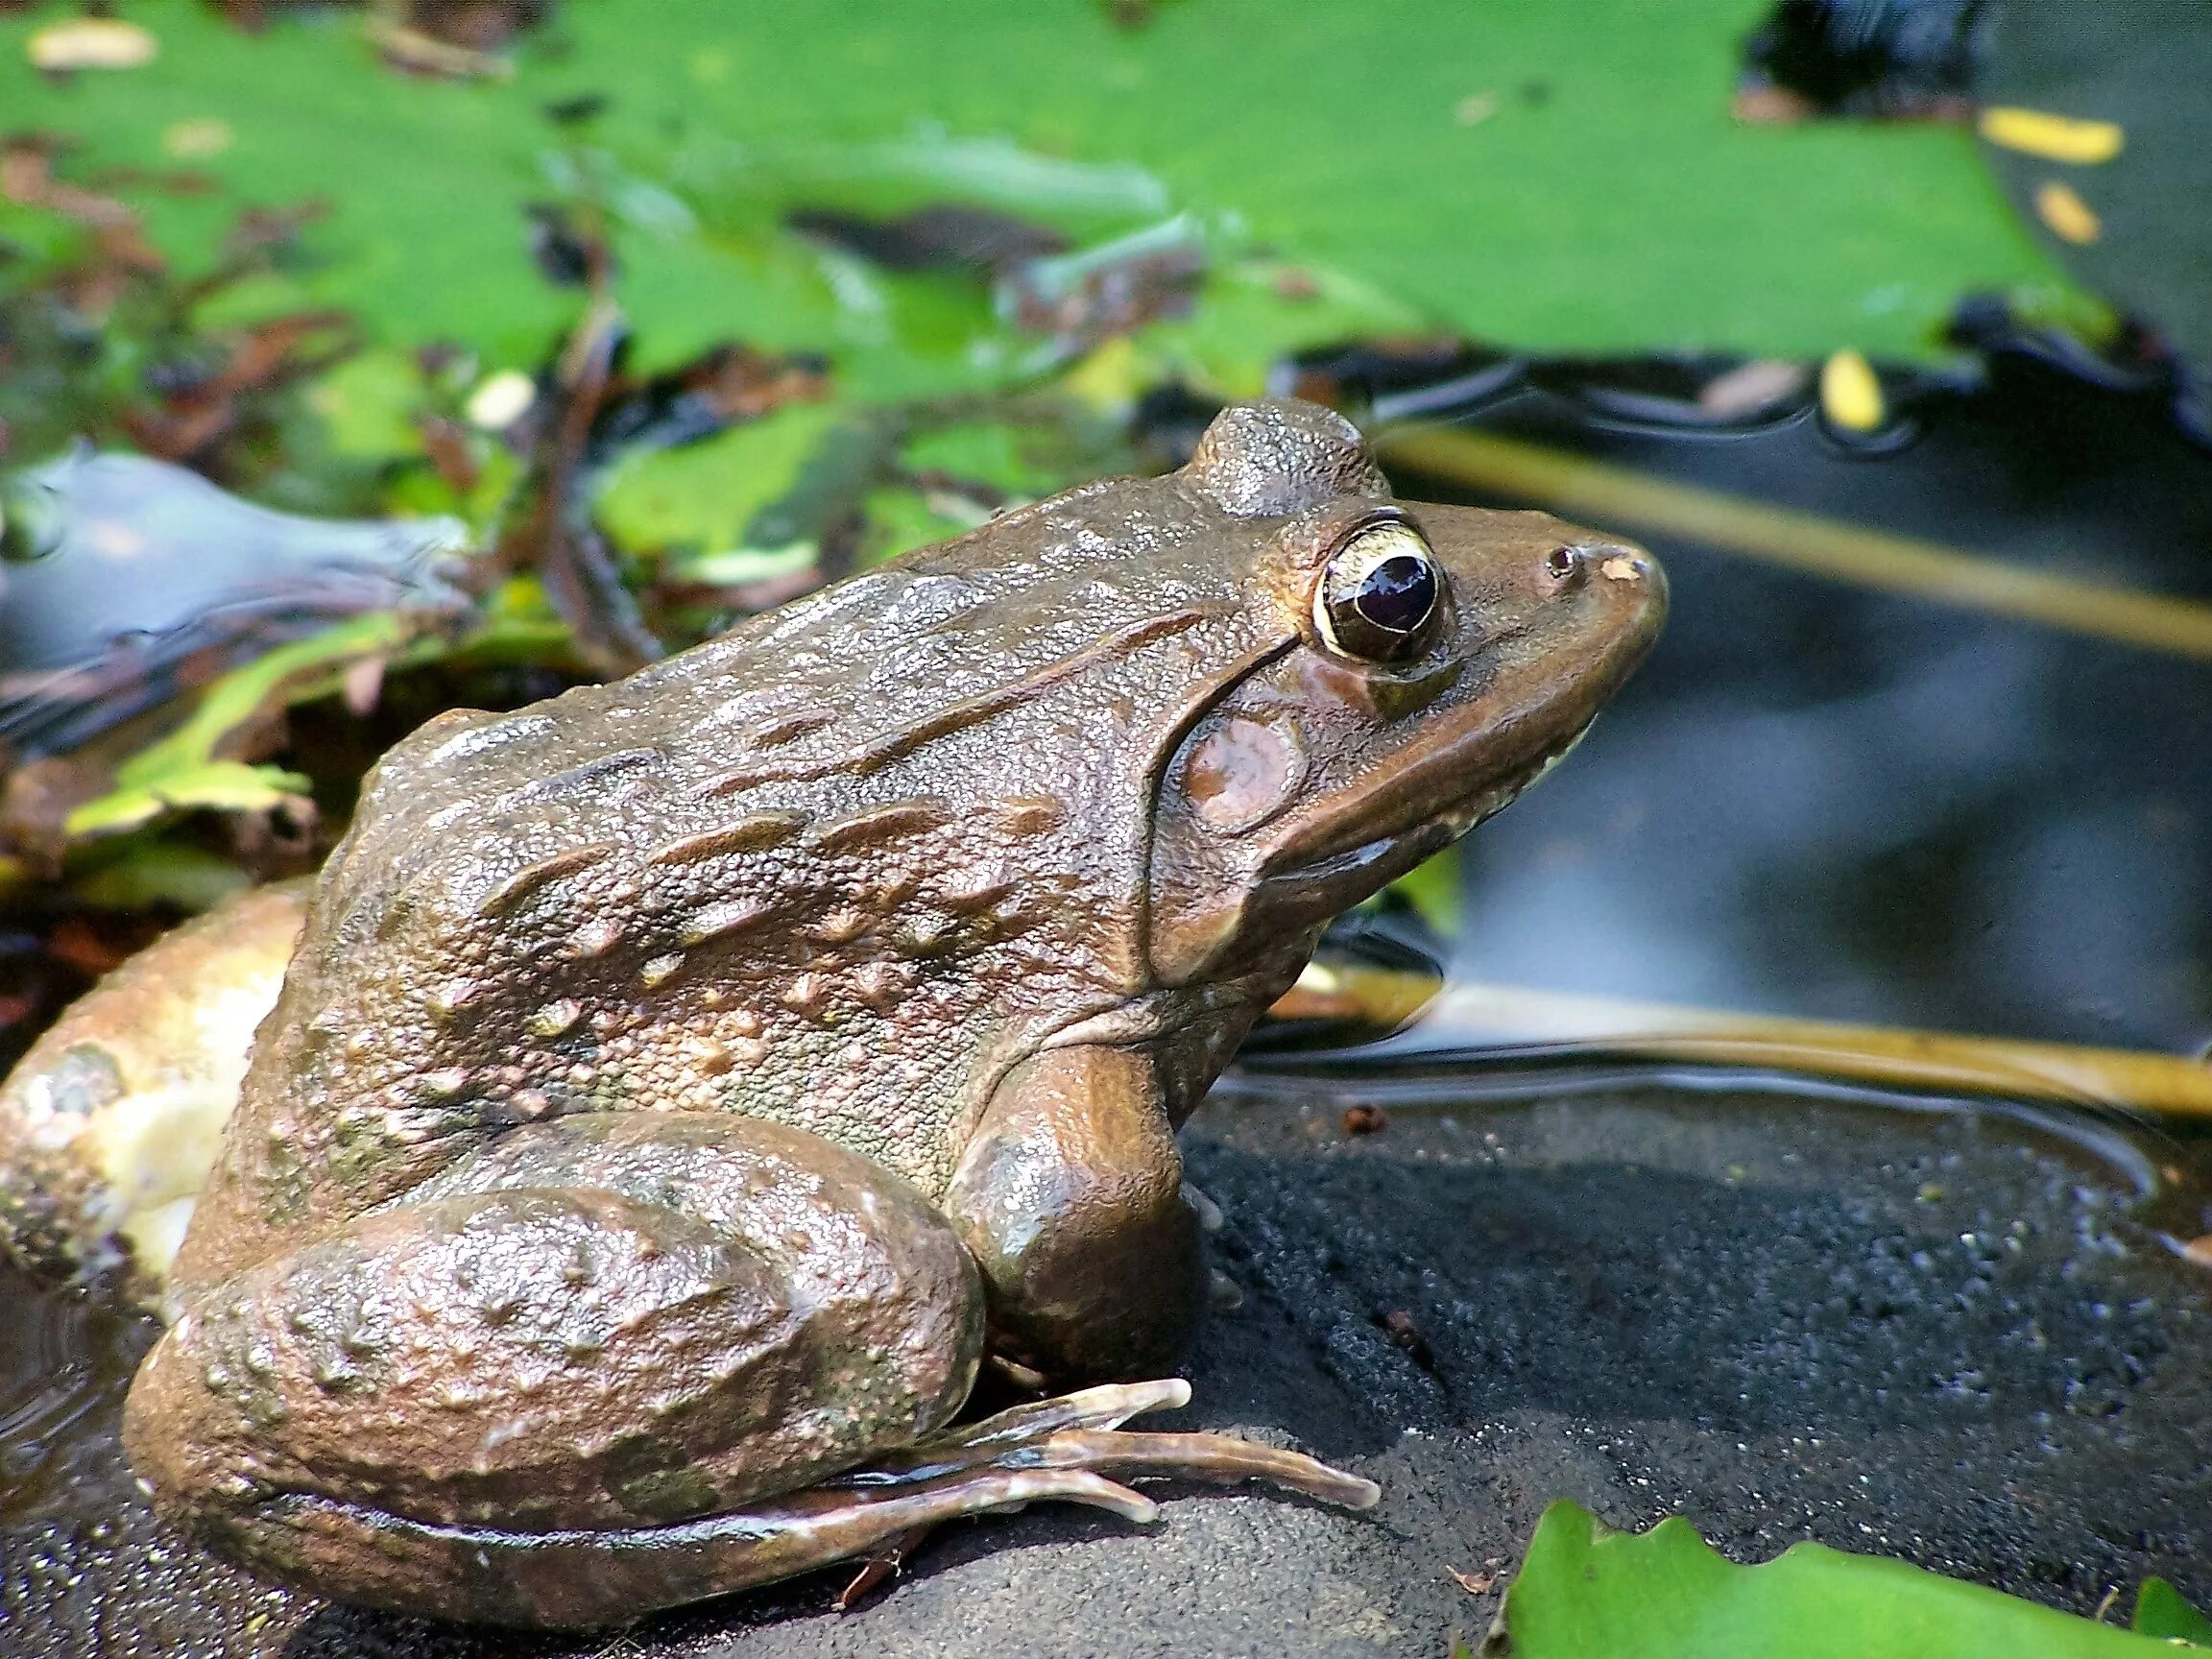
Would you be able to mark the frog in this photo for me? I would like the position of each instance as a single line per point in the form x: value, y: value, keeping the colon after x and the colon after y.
x: 685, y: 1088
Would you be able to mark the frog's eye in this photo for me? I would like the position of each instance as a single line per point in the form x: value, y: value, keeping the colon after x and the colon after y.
x: 1378, y: 592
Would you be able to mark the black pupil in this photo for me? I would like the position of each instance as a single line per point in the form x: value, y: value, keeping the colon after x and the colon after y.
x: 1398, y: 593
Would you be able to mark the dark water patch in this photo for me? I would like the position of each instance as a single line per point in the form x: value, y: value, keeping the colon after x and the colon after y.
x: 65, y: 1358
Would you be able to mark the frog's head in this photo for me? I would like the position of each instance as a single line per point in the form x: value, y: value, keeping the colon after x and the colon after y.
x: 1429, y: 662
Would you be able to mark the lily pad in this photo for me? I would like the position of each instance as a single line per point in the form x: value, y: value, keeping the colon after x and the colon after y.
x: 2160, y: 1611
x: 1586, y: 1591
x: 696, y: 503
x: 1561, y: 179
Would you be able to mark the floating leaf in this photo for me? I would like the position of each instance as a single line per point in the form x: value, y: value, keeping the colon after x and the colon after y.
x: 1586, y: 1591
x: 2160, y: 1611
x: 697, y: 502
x: 1605, y: 148
x: 216, y: 785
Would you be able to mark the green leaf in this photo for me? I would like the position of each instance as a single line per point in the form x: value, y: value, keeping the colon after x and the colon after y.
x: 1433, y: 889
x: 698, y: 501
x: 899, y: 520
x: 2161, y: 1611
x: 1022, y: 461
x: 147, y: 869
x: 218, y: 785
x: 1586, y: 1591
x: 369, y: 404
x: 244, y: 691
x: 1564, y: 179
x: 183, y: 772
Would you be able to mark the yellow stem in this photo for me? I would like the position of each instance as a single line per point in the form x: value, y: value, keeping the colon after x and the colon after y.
x: 1508, y: 1015
x: 1803, y: 541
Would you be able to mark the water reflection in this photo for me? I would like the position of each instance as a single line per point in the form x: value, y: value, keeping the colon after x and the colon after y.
x: 1834, y: 803
x: 65, y: 1358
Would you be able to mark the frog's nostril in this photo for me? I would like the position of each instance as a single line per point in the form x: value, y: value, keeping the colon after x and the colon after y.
x: 1564, y: 567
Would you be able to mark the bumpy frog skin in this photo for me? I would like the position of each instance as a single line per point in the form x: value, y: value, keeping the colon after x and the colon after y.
x: 683, y: 1084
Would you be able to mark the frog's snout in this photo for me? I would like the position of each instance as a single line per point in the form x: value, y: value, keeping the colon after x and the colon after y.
x: 1569, y: 567
x: 1617, y: 574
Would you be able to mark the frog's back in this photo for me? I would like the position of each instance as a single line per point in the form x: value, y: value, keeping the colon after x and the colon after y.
x: 830, y: 869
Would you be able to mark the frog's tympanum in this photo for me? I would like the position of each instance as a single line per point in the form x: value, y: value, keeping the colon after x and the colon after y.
x: 683, y: 1085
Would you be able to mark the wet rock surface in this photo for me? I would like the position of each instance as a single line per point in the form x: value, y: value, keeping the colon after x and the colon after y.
x: 1953, y: 1338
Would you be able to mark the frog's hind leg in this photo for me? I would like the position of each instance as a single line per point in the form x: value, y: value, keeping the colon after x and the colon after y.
x: 608, y: 1365
x: 1068, y: 1448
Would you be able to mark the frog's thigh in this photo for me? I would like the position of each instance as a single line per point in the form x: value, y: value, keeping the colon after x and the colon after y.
x: 599, y: 1323
x: 1070, y: 1195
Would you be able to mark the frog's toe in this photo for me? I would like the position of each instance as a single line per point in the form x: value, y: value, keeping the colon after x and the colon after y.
x: 1082, y: 1432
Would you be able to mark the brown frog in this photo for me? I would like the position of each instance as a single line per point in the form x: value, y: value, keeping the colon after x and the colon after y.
x: 683, y: 1085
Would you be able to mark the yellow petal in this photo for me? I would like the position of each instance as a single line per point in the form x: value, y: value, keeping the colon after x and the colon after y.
x: 1851, y: 392
x: 2053, y: 137
x: 2070, y: 218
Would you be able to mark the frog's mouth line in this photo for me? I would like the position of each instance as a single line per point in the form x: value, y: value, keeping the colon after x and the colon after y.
x: 1373, y: 863
x: 1424, y: 804
x: 1338, y: 847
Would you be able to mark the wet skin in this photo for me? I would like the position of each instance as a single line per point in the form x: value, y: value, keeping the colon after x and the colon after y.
x: 683, y: 1085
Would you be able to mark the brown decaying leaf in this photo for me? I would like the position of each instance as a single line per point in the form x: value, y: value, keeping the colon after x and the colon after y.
x: 737, y: 383
x: 468, y: 26
x: 446, y: 443
x: 553, y: 534
x: 37, y: 799
x: 883, y: 1564
x: 195, y: 414
x: 92, y: 951
x: 1080, y: 299
x: 27, y: 178
x: 587, y: 412
x: 479, y: 25
x: 204, y: 396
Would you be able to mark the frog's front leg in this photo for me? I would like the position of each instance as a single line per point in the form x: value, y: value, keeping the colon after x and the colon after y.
x: 612, y: 1364
x: 1070, y: 1194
